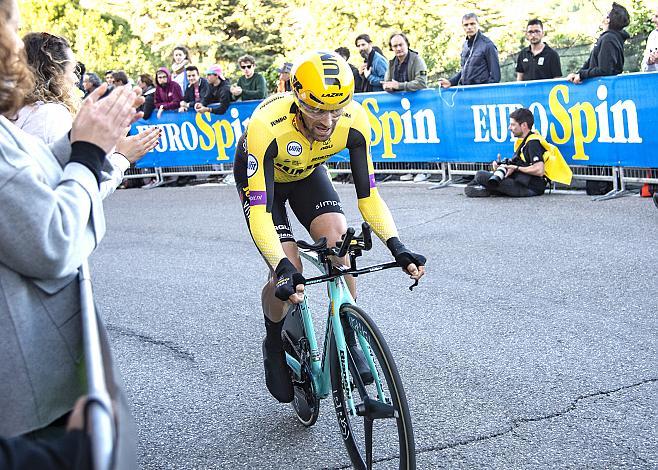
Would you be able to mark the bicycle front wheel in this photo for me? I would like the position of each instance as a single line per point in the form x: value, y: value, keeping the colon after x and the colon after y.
x: 380, y: 434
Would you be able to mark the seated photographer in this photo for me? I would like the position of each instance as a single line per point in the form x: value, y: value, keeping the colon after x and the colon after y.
x: 523, y: 174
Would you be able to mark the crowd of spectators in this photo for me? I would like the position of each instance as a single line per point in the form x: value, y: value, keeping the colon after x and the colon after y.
x: 184, y: 88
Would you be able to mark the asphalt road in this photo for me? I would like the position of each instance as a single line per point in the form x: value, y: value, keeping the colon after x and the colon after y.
x: 531, y: 343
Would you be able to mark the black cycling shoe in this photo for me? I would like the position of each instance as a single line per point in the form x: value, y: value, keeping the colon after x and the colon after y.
x: 277, y: 375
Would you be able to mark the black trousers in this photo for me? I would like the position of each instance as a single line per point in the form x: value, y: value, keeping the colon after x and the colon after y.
x: 508, y: 187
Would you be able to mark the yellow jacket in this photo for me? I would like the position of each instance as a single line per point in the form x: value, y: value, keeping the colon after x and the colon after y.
x: 555, y: 166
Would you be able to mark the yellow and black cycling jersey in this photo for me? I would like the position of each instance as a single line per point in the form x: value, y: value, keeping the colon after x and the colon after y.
x: 273, y: 151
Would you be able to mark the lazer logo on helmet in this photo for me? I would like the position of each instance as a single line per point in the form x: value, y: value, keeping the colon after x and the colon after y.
x: 331, y: 95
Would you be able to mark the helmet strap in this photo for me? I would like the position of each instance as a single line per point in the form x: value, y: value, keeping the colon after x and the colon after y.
x: 304, y: 128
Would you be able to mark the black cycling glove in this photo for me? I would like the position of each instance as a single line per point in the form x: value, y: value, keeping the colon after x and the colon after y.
x: 287, y: 279
x: 402, y: 255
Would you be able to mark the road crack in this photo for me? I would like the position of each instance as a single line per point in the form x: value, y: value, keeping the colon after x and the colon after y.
x: 176, y: 349
x: 516, y: 423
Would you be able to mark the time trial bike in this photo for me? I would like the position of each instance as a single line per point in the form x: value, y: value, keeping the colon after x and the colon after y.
x: 373, y: 415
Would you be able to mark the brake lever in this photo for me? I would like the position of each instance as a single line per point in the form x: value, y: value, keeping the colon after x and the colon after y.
x: 411, y: 287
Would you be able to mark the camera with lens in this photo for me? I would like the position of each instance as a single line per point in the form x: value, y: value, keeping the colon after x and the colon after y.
x: 499, y: 174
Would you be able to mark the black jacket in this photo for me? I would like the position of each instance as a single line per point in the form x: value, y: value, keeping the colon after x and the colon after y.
x: 188, y: 97
x: 71, y: 451
x: 220, y: 95
x: 607, y: 57
x: 479, y: 62
x: 149, y: 102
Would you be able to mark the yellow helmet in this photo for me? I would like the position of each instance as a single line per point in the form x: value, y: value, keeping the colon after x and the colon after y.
x: 322, y: 80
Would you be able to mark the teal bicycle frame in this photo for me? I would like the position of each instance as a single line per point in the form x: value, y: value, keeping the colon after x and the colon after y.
x: 339, y: 294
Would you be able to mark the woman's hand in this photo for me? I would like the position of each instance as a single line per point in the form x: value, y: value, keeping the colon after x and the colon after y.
x: 134, y: 147
x: 102, y: 122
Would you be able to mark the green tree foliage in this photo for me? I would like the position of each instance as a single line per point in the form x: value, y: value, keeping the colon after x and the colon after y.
x: 140, y: 35
x: 101, y: 41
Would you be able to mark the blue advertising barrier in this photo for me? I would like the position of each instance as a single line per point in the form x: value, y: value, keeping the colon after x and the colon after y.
x: 611, y: 121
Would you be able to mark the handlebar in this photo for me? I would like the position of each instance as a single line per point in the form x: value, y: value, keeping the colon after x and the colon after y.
x: 350, y: 244
x: 347, y: 240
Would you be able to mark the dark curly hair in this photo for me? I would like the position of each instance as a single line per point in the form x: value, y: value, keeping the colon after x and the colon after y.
x: 47, y: 56
x: 17, y: 79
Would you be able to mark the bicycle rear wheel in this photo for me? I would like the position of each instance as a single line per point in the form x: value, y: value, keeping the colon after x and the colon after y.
x: 381, y: 432
x: 305, y: 401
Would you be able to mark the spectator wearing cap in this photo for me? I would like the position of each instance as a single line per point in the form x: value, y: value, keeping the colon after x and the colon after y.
x: 251, y: 86
x: 284, y: 78
x: 219, y: 92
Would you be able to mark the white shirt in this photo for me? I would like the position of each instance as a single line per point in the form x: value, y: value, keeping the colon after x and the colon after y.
x: 47, y: 121
x: 652, y: 45
x: 50, y: 122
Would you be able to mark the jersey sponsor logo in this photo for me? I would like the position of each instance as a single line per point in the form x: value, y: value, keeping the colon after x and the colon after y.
x: 326, y: 147
x: 257, y: 198
x: 294, y: 148
x: 252, y: 166
x: 330, y: 203
x: 321, y: 158
x: 290, y: 171
x: 278, y: 121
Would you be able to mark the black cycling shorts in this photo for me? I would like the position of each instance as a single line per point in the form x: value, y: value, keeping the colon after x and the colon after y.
x: 308, y: 198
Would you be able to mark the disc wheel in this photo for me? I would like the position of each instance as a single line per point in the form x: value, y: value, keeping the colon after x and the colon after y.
x: 380, y: 435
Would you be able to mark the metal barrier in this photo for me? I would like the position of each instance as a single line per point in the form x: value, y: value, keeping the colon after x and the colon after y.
x: 618, y: 176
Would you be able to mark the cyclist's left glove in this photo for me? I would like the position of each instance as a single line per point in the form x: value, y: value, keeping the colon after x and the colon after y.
x: 287, y: 279
x: 402, y: 255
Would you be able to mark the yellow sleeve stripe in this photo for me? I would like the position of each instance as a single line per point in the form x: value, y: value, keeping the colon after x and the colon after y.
x: 265, y: 236
x: 375, y: 211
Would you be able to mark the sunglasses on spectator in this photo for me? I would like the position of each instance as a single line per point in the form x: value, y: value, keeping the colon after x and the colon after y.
x: 246, y: 66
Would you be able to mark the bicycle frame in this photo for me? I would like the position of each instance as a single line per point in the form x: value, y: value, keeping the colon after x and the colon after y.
x: 339, y: 294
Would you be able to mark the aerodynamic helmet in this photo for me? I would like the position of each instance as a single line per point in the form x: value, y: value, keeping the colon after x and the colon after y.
x: 322, y: 80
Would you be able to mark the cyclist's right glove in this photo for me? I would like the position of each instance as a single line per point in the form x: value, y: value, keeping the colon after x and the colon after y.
x: 402, y: 255
x: 287, y: 279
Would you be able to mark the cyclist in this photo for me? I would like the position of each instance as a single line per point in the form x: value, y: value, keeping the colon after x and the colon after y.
x: 279, y: 158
